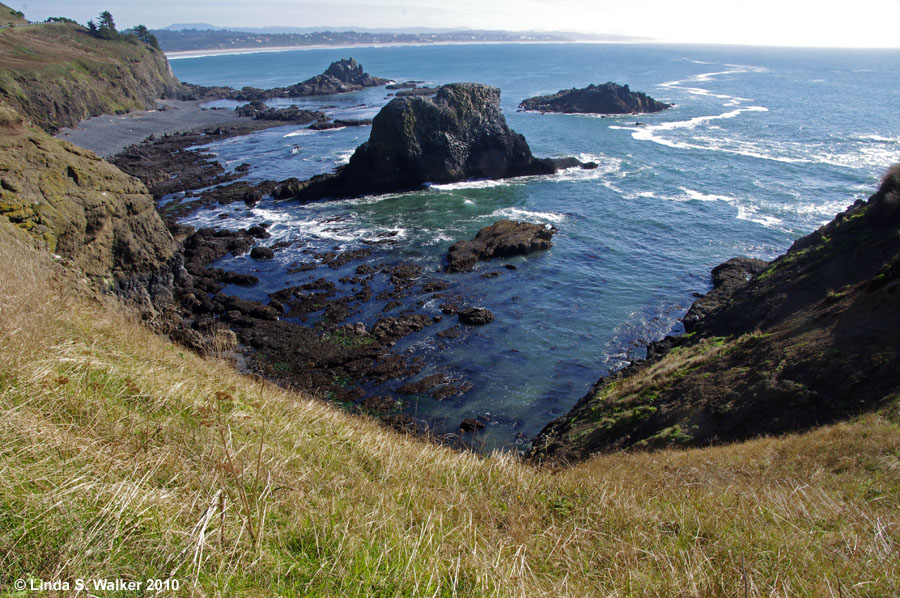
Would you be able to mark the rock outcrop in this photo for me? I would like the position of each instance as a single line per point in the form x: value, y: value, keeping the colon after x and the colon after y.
x: 810, y: 339
x: 504, y: 238
x: 609, y: 98
x: 291, y: 114
x: 342, y: 76
x: 83, y: 209
x: 458, y: 135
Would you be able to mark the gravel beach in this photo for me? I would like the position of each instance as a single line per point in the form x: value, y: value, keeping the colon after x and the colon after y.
x: 108, y: 135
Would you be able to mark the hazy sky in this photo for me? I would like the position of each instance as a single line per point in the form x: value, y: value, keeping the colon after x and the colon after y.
x: 842, y: 23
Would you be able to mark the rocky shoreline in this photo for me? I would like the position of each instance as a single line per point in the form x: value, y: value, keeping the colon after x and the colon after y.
x: 318, y: 333
x: 306, y: 335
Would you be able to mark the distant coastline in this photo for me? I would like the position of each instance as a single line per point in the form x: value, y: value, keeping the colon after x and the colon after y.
x: 182, y: 54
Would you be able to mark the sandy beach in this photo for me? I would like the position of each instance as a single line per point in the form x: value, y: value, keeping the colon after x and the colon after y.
x: 224, y: 52
x: 107, y: 135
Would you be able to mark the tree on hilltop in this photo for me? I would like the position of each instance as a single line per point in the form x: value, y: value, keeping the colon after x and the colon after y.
x: 143, y: 34
x: 106, y: 21
x: 106, y: 29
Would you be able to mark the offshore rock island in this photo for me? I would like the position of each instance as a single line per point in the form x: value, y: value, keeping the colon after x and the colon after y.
x: 609, y: 98
x: 342, y: 76
x: 460, y: 134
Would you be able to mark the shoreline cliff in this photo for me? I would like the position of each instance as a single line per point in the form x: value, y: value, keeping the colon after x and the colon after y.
x: 809, y: 339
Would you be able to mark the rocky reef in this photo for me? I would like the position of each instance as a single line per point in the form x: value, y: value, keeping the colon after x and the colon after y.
x: 609, y: 98
x: 504, y: 238
x: 459, y: 134
x: 774, y: 348
x: 292, y: 114
x: 341, y: 76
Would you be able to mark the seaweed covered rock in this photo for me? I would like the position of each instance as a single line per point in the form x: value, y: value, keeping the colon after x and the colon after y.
x: 504, y: 238
x: 82, y: 208
x: 609, y: 98
x: 459, y: 134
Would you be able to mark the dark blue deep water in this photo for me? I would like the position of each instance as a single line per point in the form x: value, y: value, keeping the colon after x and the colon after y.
x: 763, y: 146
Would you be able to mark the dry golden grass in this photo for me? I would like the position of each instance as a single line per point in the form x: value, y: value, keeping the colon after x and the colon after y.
x: 124, y: 456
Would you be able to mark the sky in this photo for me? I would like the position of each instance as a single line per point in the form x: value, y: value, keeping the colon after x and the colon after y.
x: 829, y: 23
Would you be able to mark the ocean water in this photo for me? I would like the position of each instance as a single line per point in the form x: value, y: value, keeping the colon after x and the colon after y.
x: 763, y: 146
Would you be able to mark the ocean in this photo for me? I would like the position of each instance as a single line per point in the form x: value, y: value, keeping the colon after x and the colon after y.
x: 763, y: 146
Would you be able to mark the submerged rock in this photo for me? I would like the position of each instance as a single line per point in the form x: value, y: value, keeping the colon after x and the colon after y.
x: 458, y: 135
x: 471, y: 424
x: 504, y: 238
x: 609, y: 98
x: 475, y: 316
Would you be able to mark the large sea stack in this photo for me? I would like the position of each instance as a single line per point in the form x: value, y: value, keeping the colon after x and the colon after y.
x: 459, y: 134
x: 609, y: 98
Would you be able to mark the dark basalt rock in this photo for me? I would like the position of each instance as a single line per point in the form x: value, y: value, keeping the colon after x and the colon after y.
x: 340, y: 123
x: 609, y: 98
x: 353, y: 122
x: 342, y: 76
x: 475, y: 316
x: 258, y: 231
x: 504, y: 238
x: 405, y: 85
x: 262, y: 253
x: 291, y: 114
x: 433, y: 286
x: 726, y: 278
x: 471, y: 424
x: 458, y: 135
x: 424, y: 385
x: 390, y: 329
x: 451, y: 390
x: 242, y: 280
x: 324, y: 126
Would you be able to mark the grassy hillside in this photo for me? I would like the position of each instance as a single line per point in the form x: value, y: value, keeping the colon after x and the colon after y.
x: 811, y: 339
x: 58, y: 75
x: 9, y: 16
x: 126, y: 456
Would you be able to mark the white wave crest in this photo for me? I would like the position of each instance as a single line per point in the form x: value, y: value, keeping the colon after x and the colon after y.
x: 697, y: 195
x: 300, y: 132
x: 879, y: 138
x: 750, y: 213
x: 527, y: 215
x: 477, y: 184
